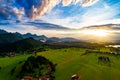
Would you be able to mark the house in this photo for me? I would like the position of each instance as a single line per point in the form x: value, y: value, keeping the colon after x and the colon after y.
x: 27, y: 78
x: 75, y: 77
x: 44, y: 79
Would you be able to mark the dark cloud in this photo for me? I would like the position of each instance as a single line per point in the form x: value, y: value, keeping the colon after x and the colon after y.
x: 38, y: 24
x: 106, y: 26
x: 46, y: 26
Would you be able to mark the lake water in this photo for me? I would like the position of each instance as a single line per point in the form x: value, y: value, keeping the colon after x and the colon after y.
x: 115, y: 46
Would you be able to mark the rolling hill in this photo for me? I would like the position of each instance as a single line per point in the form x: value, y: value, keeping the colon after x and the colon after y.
x: 8, y: 38
x: 22, y: 45
x: 71, y: 61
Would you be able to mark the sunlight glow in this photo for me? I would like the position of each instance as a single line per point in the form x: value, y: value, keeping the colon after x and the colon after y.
x: 99, y: 33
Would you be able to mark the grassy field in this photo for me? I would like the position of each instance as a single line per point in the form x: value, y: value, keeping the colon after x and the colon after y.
x: 70, y: 61
x: 7, y: 64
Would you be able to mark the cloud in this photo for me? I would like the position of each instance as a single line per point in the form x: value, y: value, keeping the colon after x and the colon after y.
x: 46, y: 26
x: 82, y: 2
x: 102, y: 13
x: 103, y: 27
x: 37, y: 24
x: 34, y: 8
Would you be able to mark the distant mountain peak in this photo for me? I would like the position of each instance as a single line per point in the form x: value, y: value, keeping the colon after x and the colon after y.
x: 3, y: 31
x: 36, y: 37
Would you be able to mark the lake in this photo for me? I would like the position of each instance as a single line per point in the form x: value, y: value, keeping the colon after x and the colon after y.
x: 115, y: 46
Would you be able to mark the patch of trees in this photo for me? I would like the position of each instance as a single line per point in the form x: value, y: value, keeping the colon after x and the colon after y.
x: 113, y: 51
x: 36, y: 67
x: 76, y: 44
x: 104, y: 60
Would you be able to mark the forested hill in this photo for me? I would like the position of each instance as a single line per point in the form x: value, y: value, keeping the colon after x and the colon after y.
x: 22, y: 45
x: 8, y: 38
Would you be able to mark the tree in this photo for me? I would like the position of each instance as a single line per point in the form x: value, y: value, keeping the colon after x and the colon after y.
x: 37, y: 66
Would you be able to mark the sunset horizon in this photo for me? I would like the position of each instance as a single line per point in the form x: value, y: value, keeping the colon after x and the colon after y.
x: 61, y: 18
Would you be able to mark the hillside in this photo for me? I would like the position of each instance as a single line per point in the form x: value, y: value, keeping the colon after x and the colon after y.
x: 8, y: 38
x: 71, y: 61
x: 22, y: 45
x: 3, y: 31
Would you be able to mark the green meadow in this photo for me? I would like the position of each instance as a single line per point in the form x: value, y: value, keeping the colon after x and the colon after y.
x: 70, y: 61
x: 7, y: 64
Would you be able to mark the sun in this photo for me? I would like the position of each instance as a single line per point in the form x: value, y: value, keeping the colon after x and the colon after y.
x: 99, y: 33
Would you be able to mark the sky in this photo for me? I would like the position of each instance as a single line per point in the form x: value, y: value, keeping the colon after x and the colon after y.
x: 62, y: 18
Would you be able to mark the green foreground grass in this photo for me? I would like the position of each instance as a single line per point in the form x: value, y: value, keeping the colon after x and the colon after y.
x: 70, y: 61
x: 7, y: 64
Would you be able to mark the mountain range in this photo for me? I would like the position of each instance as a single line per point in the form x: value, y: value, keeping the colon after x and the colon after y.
x: 10, y: 42
x: 28, y: 35
x: 18, y: 36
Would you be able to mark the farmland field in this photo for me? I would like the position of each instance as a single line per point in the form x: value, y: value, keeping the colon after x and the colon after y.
x: 70, y: 61
x: 7, y: 64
